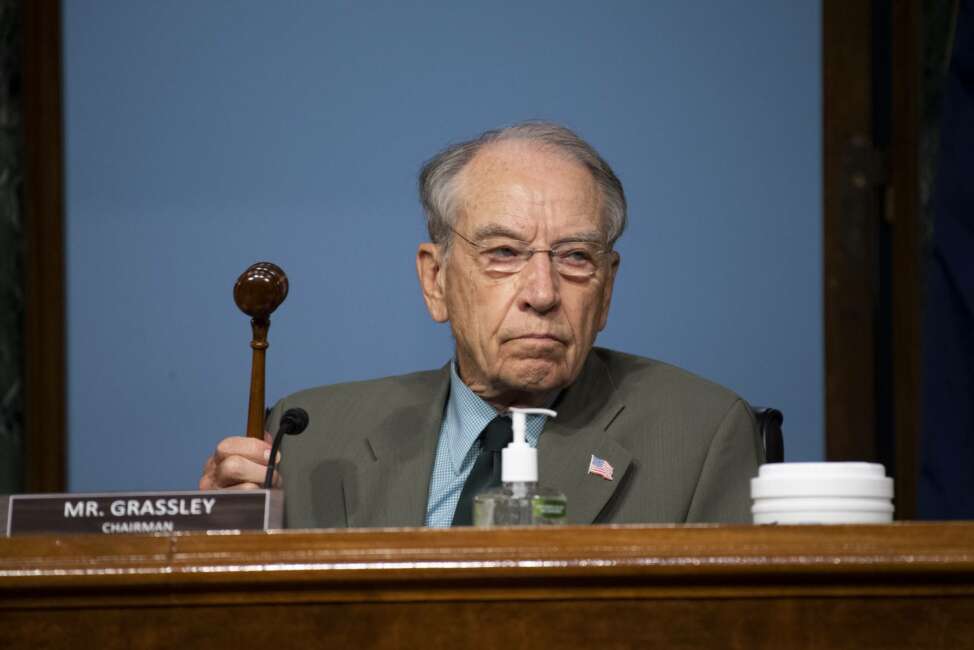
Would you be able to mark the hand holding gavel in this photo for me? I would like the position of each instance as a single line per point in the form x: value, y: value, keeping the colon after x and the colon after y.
x: 238, y: 461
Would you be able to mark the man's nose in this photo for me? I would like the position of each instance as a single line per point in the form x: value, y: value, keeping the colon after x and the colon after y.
x: 540, y: 283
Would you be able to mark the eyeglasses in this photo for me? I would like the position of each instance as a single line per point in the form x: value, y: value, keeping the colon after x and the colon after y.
x: 572, y: 259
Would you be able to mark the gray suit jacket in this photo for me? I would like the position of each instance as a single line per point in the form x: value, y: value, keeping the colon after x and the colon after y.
x: 683, y: 449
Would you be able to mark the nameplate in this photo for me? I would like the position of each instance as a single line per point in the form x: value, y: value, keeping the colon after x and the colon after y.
x: 143, y: 513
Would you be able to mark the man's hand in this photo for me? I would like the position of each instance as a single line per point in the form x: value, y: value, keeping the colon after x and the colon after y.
x: 239, y: 463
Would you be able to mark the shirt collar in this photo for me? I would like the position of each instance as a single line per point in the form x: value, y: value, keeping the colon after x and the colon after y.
x: 467, y: 415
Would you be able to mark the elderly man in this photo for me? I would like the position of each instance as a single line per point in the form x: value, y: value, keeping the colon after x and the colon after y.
x: 522, y: 223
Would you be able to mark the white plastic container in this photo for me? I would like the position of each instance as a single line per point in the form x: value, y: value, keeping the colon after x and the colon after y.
x: 822, y: 493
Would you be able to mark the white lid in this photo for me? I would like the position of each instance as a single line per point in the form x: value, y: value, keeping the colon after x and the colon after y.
x: 822, y: 487
x: 822, y: 504
x: 821, y: 469
x: 519, y: 461
x: 820, y: 480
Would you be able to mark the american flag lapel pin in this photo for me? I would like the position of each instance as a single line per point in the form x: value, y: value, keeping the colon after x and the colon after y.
x: 601, y: 467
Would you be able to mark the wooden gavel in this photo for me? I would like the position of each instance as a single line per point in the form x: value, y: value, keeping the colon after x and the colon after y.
x: 258, y: 292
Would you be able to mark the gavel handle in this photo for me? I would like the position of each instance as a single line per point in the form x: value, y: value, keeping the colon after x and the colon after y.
x: 255, y: 409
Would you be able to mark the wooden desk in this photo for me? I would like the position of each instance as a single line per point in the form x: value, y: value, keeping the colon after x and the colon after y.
x: 896, y: 586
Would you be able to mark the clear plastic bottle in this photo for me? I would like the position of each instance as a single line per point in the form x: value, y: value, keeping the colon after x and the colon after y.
x: 520, y: 501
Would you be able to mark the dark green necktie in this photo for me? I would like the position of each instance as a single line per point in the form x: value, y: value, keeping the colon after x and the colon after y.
x: 486, y: 472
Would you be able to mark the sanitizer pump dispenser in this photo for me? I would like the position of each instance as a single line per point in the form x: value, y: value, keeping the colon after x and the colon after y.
x: 520, y: 501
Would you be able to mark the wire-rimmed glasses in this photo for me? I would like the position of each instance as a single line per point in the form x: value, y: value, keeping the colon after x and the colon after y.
x: 507, y: 256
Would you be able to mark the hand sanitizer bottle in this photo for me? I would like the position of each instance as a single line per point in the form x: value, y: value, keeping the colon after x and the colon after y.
x: 520, y: 501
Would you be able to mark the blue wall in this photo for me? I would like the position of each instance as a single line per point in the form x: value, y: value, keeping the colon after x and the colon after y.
x: 202, y: 137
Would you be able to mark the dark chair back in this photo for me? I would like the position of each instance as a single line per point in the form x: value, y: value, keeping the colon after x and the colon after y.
x: 769, y: 425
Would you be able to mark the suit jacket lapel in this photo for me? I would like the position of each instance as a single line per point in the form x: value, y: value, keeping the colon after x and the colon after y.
x: 585, y: 412
x: 392, y: 482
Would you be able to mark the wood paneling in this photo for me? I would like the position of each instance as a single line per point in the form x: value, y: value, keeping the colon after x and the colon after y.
x: 905, y: 216
x: 897, y: 586
x: 44, y: 324
x: 850, y: 201
x: 871, y: 121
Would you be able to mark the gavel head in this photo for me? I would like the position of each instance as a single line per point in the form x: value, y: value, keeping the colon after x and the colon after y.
x: 260, y: 290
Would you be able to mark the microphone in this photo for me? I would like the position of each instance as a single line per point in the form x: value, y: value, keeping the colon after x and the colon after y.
x: 293, y: 422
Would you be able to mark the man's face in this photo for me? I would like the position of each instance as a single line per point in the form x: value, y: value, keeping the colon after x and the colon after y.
x: 520, y: 337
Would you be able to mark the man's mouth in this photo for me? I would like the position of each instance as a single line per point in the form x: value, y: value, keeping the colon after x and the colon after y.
x: 538, y: 337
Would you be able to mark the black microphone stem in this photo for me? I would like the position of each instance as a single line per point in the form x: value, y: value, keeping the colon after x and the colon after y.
x: 293, y: 422
x: 272, y: 461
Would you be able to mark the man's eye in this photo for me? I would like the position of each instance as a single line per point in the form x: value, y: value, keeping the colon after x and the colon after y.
x: 502, y: 253
x: 577, y: 256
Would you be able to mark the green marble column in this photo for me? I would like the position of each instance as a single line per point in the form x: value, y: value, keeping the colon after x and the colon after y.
x: 11, y: 252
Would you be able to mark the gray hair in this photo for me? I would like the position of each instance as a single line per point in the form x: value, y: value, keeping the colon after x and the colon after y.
x: 437, y: 180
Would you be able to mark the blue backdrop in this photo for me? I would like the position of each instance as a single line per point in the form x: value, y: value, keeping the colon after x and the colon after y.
x: 202, y: 137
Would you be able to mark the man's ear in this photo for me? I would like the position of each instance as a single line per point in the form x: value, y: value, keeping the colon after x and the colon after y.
x: 610, y: 280
x: 432, y: 280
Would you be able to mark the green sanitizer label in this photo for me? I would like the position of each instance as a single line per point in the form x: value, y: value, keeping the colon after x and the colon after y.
x: 543, y: 508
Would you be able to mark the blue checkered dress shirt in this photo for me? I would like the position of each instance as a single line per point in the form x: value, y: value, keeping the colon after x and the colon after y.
x: 457, y: 450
